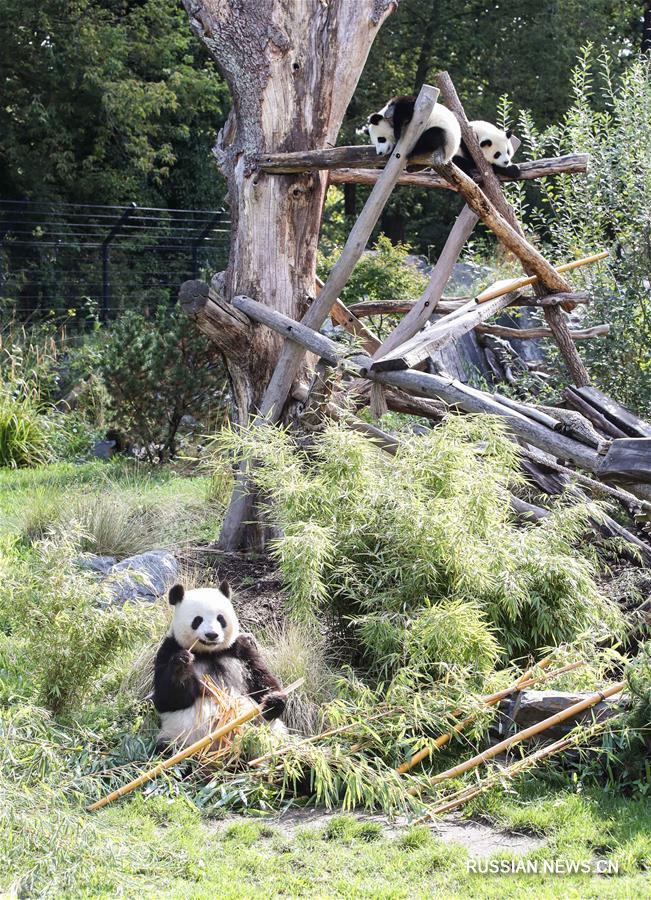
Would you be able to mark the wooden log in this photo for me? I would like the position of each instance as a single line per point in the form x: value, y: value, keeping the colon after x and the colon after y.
x: 628, y: 459
x: 291, y: 355
x: 229, y: 329
x: 437, y: 335
x: 450, y: 304
x: 422, y: 310
x: 530, y: 411
x: 363, y: 159
x: 623, y: 418
x: 572, y: 164
x: 532, y: 731
x: 528, y: 334
x: 575, y: 400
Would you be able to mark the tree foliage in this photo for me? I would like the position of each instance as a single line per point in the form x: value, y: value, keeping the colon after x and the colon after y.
x: 117, y: 98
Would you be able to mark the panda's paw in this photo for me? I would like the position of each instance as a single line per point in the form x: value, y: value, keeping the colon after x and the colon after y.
x: 273, y: 705
x: 512, y: 171
x: 182, y: 663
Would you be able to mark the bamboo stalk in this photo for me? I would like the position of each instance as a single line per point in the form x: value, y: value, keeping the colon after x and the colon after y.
x: 526, y: 680
x: 517, y: 283
x: 194, y: 748
x: 282, y: 751
x: 533, y: 730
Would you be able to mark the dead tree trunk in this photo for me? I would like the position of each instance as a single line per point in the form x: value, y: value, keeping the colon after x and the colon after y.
x: 291, y: 69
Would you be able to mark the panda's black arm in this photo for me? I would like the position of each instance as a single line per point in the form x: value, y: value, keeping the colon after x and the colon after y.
x: 262, y: 684
x: 175, y: 684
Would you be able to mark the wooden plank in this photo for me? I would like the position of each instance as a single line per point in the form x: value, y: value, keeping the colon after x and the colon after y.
x: 619, y: 415
x: 436, y: 336
x: 291, y: 354
x: 628, y: 459
x: 450, y: 304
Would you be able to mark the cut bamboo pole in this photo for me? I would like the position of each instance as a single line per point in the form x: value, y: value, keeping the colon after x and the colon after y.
x: 526, y: 733
x: 526, y: 680
x: 192, y: 750
x: 515, y: 284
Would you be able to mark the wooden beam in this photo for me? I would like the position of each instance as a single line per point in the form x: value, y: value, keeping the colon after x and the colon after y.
x: 623, y: 418
x: 230, y: 330
x: 628, y: 459
x: 527, y: 334
x: 450, y: 304
x: 363, y: 159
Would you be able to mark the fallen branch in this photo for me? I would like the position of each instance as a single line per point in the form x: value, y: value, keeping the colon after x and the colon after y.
x: 451, y: 304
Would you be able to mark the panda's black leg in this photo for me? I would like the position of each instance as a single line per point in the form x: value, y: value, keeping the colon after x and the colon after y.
x: 466, y: 165
x: 511, y: 171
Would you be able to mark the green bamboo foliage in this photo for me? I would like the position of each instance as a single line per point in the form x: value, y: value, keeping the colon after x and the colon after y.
x: 417, y: 557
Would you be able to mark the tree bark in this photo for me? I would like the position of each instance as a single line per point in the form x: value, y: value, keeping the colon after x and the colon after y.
x: 291, y: 69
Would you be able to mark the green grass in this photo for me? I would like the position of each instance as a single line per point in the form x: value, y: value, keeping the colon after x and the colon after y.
x: 159, y: 848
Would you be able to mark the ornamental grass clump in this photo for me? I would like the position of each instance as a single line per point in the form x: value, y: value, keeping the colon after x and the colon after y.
x: 417, y: 559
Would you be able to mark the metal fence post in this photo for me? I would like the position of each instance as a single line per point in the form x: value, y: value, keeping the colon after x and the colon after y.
x: 203, y: 234
x: 106, y: 281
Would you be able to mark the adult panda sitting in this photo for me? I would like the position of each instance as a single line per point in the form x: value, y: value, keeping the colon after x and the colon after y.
x: 204, y: 619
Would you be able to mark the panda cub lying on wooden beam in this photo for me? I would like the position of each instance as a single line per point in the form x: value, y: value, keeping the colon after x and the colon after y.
x: 204, y: 619
x: 442, y: 134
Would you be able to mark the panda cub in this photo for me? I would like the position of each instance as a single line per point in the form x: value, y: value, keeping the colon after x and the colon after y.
x: 495, y: 145
x: 441, y: 134
x: 205, y: 618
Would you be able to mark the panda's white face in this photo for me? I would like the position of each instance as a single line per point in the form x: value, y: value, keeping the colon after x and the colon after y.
x: 495, y: 144
x: 381, y: 133
x: 205, y: 616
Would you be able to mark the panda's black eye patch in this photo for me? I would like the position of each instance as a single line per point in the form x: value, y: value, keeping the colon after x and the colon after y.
x: 496, y: 155
x: 196, y: 622
x: 222, y: 621
x: 381, y: 140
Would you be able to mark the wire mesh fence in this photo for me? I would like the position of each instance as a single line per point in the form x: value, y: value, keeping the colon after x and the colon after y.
x: 93, y: 260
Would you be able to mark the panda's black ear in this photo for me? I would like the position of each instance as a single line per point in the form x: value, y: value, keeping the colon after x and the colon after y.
x: 225, y: 588
x: 176, y: 594
x: 509, y: 133
x: 375, y: 119
x: 486, y: 143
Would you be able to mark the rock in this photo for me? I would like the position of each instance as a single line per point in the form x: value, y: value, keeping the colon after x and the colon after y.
x: 143, y: 577
x: 103, y: 449
x: 101, y: 564
x: 529, y: 707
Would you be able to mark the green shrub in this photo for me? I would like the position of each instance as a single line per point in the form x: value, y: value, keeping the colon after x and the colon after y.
x: 157, y: 370
x: 24, y: 437
x: 368, y: 537
x: 607, y: 208
x: 382, y: 274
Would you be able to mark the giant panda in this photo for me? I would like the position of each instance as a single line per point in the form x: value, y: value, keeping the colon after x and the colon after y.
x: 442, y: 132
x: 495, y: 145
x: 204, y: 618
